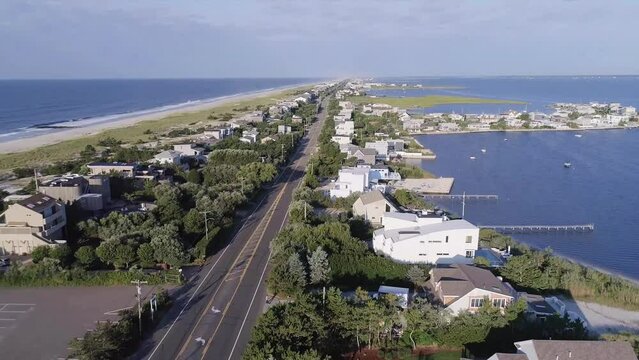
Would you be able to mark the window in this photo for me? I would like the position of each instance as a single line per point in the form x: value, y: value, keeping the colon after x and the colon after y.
x: 469, y: 239
x: 421, y: 242
x: 469, y: 254
x: 434, y: 241
x: 422, y: 254
x: 446, y: 238
x: 477, y: 302
x: 500, y: 303
x: 443, y: 254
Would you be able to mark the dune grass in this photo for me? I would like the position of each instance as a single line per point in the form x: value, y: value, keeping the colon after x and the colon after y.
x: 427, y: 101
x: 142, y: 131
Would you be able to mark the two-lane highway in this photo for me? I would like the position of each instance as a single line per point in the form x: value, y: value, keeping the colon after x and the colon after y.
x: 213, y: 319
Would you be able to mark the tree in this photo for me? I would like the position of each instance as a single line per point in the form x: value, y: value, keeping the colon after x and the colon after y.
x: 300, y: 212
x: 417, y: 276
x: 194, y: 222
x: 107, y: 251
x: 124, y: 255
x: 61, y: 253
x: 169, y: 200
x: 39, y: 253
x: 297, y: 271
x: 194, y: 176
x: 482, y: 261
x: 146, y: 254
x: 86, y: 256
x: 166, y: 247
x: 319, y: 267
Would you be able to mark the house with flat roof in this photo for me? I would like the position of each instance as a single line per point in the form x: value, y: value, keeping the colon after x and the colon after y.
x: 400, y: 220
x: 461, y: 287
x: 107, y: 168
x: 37, y: 220
x: 569, y: 350
x: 344, y: 128
x: 350, y: 180
x: 188, y: 149
x: 170, y: 157
x: 372, y: 206
x: 443, y: 242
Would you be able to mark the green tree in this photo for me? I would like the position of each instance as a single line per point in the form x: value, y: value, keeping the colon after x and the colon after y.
x: 194, y: 222
x: 194, y: 176
x: 85, y: 255
x: 482, y: 261
x: 417, y: 276
x: 107, y: 251
x: 39, y: 252
x: 167, y: 249
x: 319, y: 268
x: 146, y: 254
x: 124, y: 255
x: 61, y: 253
x: 297, y: 270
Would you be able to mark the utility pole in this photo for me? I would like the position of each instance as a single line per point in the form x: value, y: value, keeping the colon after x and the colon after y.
x: 206, y: 223
x: 35, y: 176
x: 139, y: 296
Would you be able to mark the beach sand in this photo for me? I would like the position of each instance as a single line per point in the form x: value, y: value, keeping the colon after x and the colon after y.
x: 29, y: 143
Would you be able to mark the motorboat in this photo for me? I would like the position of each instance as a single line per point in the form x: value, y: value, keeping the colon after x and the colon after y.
x: 578, y: 135
x: 483, y: 151
x: 472, y: 158
x: 567, y: 164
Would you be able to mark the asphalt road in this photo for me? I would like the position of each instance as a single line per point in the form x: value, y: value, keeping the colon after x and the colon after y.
x: 213, y: 316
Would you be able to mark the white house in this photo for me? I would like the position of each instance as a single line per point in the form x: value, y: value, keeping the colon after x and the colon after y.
x: 380, y: 146
x: 345, y: 128
x: 341, y: 140
x: 448, y: 126
x: 188, y: 149
x: 446, y: 242
x: 462, y: 287
x: 219, y: 133
x: 249, y: 136
x: 350, y: 180
x: 283, y: 129
x: 168, y: 157
x: 400, y: 220
x: 380, y: 172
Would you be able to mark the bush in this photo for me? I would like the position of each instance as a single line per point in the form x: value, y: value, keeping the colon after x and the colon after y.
x: 85, y: 255
x: 39, y: 253
x: 62, y: 253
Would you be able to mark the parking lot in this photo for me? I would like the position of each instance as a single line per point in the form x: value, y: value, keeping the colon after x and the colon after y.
x: 37, y: 323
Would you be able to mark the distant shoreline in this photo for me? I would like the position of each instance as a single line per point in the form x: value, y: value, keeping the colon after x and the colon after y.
x: 61, y: 133
x: 518, y: 130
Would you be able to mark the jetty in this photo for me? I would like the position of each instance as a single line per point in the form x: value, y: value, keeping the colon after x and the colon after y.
x: 460, y: 197
x: 426, y: 186
x: 539, y: 228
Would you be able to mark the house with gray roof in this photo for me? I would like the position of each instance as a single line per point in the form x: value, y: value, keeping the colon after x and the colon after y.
x: 461, y: 287
x: 569, y: 350
x: 372, y: 205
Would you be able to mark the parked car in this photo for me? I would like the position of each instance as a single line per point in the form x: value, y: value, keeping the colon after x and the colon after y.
x: 5, y: 261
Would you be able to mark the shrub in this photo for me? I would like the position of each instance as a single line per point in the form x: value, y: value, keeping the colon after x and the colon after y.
x: 85, y: 255
x: 39, y: 253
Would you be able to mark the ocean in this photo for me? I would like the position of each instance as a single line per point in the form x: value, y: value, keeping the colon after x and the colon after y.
x: 534, y: 188
x: 30, y: 107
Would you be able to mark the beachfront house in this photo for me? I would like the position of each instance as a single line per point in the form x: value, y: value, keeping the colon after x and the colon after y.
x: 126, y: 170
x: 188, y: 149
x: 441, y: 242
x: 170, y: 157
x: 461, y: 287
x: 92, y: 194
x: 219, y: 133
x: 372, y: 206
x: 448, y: 127
x: 569, y: 350
x: 249, y: 136
x: 344, y: 128
x: 37, y: 220
x: 366, y: 156
x: 341, y: 140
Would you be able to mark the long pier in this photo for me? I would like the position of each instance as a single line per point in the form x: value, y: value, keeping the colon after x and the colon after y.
x: 540, y: 228
x: 461, y: 197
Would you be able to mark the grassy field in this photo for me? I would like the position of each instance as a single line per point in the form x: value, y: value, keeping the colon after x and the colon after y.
x: 427, y: 101
x: 70, y: 149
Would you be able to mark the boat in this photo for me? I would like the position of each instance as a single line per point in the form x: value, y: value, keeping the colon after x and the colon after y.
x: 483, y: 150
x: 505, y: 139
x: 578, y: 135
x: 472, y: 158
x: 567, y: 164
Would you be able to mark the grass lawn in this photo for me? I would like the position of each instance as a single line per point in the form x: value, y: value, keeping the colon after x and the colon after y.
x: 427, y: 101
x: 70, y: 149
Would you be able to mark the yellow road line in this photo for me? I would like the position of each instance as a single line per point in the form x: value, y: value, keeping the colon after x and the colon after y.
x: 208, y: 306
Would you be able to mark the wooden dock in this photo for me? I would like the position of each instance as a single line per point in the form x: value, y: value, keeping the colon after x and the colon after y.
x: 509, y: 229
x: 460, y: 197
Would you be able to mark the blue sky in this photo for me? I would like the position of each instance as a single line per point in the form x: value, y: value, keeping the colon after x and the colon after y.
x: 289, y: 38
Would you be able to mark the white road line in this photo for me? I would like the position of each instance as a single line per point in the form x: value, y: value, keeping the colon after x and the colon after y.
x: 17, y: 304
x: 14, y: 311
x: 7, y: 319
x: 209, y: 272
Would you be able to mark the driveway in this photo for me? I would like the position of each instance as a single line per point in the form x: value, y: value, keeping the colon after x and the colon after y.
x: 603, y: 319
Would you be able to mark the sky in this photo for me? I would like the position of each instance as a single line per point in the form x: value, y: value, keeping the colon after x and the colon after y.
x: 322, y: 38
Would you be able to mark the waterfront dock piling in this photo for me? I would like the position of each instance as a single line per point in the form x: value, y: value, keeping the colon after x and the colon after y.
x: 509, y: 229
x: 460, y: 197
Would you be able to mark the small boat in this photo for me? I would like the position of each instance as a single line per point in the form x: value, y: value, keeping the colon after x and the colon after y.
x: 505, y: 139
x: 578, y: 135
x: 472, y: 158
x: 483, y: 150
x: 567, y: 164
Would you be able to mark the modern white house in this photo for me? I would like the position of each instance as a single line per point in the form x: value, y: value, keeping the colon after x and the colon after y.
x: 188, y: 149
x: 341, y: 140
x: 283, y: 129
x: 461, y: 287
x: 400, y: 220
x: 445, y: 242
x: 170, y: 157
x: 372, y: 206
x: 344, y: 128
x: 380, y: 146
x: 350, y: 180
x: 249, y: 136
x: 569, y: 350
x: 381, y: 172
x: 219, y: 133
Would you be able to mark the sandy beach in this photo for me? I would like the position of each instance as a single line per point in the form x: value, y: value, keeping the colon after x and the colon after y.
x: 49, y: 138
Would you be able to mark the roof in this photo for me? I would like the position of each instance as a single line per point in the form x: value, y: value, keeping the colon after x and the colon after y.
x: 392, y: 290
x: 366, y: 151
x: 66, y: 181
x: 504, y: 356
x: 460, y: 279
x: 37, y: 202
x: 538, y: 304
x: 168, y: 154
x: 98, y: 163
x: 409, y: 216
x: 372, y: 196
x: 402, y: 234
x: 576, y: 349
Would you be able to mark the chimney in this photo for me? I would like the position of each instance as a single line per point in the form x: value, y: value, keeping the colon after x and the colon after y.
x: 569, y: 354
